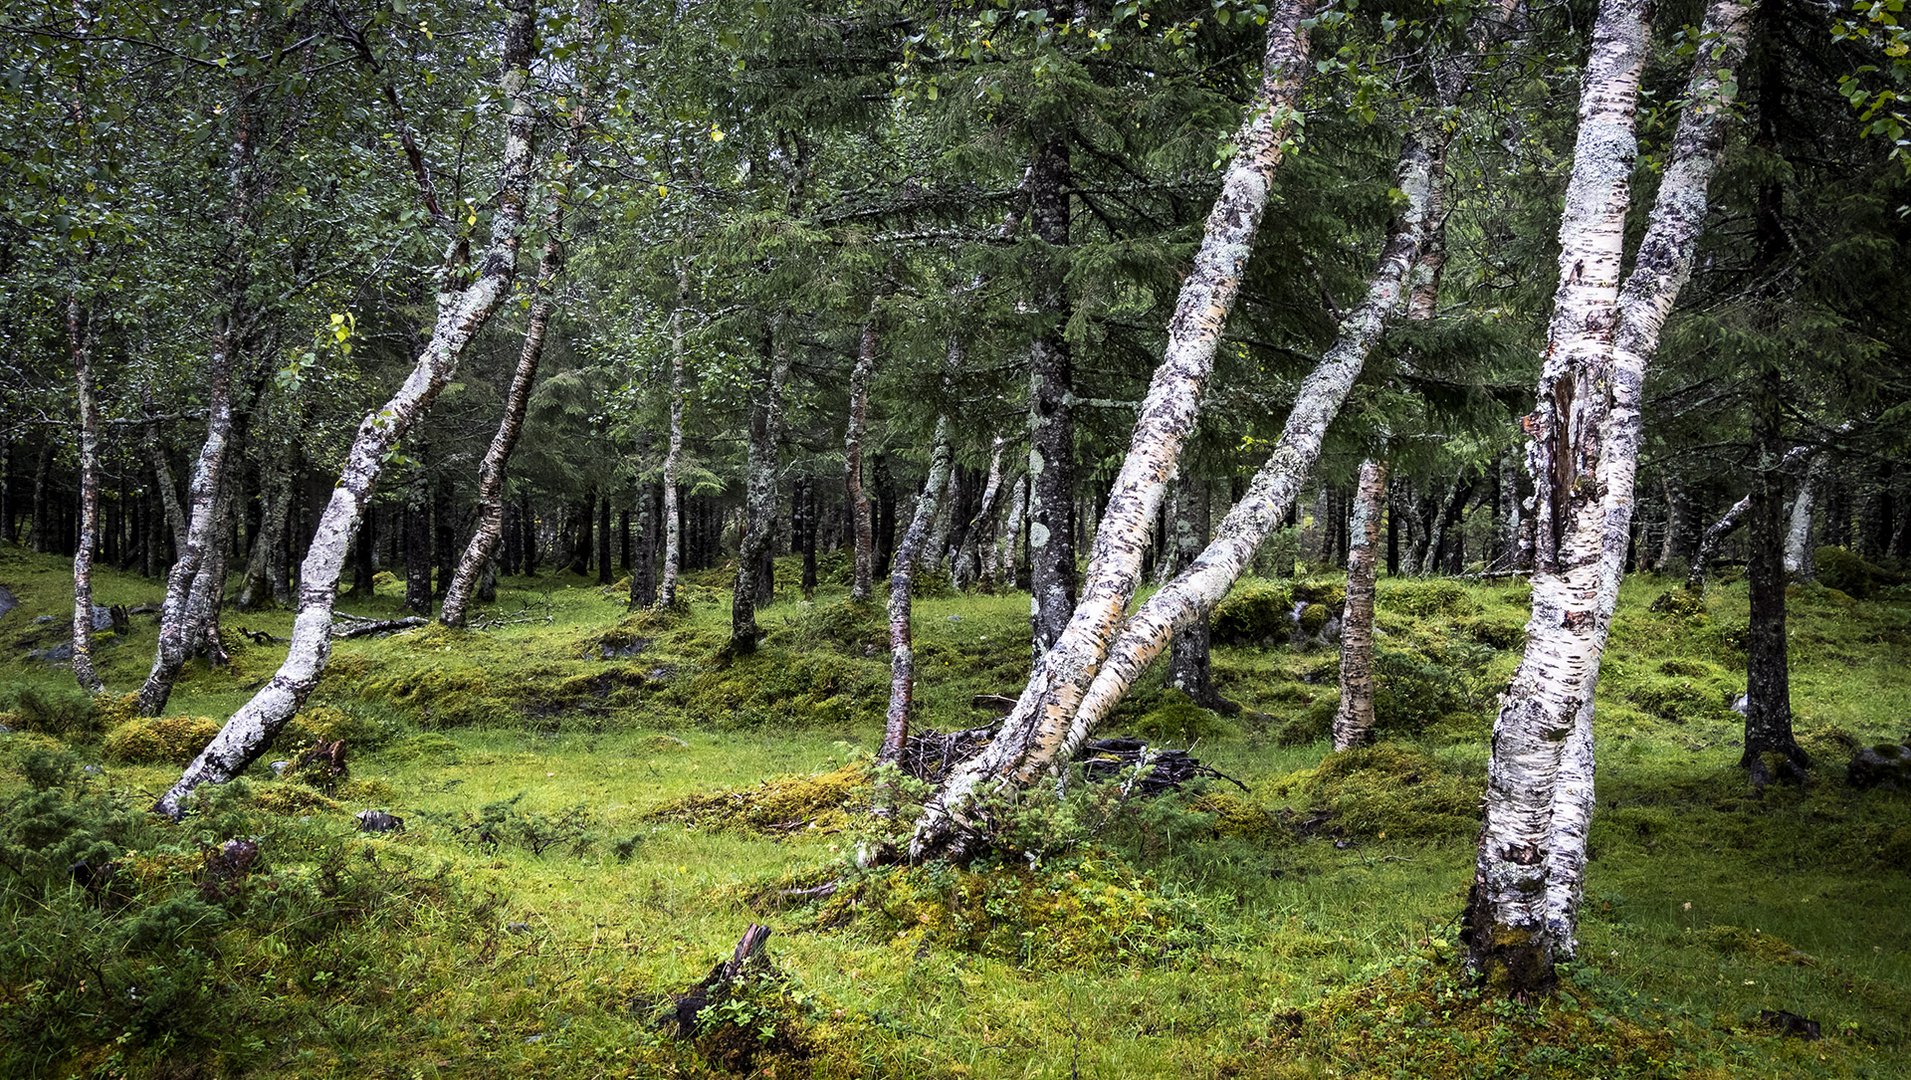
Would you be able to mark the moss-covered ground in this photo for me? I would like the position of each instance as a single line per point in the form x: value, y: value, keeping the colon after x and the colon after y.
x: 568, y: 864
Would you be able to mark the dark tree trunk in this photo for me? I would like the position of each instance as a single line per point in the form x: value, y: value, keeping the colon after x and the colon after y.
x: 1051, y: 533
x: 1190, y: 667
x: 418, y: 542
x: 804, y: 523
x: 604, y: 566
x: 1768, y: 705
x: 623, y: 535
x: 885, y: 515
x: 364, y: 561
x: 527, y: 532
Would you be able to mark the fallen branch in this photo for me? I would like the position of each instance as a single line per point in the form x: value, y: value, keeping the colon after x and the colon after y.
x: 356, y: 626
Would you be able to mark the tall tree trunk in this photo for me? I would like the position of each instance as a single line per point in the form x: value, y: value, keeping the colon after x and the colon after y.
x: 1051, y: 454
x: 1768, y: 699
x: 258, y: 588
x: 604, y: 565
x: 418, y: 539
x: 80, y: 340
x: 976, y: 543
x: 760, y: 507
x: 176, y: 632
x: 1190, y: 665
x: 1001, y: 571
x: 484, y: 541
x: 902, y: 571
x: 1714, y: 536
x: 461, y: 313
x: 1354, y: 720
x: 1523, y: 909
x: 806, y: 535
x: 862, y: 528
x: 364, y: 562
x: 673, y: 452
x: 1032, y: 733
x: 40, y: 527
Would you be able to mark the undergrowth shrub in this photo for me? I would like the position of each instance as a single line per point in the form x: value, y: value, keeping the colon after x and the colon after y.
x: 159, y: 740
x: 140, y: 948
x: 506, y: 824
x: 856, y: 627
x: 49, y: 709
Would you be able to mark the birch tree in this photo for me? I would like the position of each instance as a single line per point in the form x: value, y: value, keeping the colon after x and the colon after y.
x: 760, y: 482
x: 80, y: 338
x: 673, y: 451
x: 1164, y: 422
x: 1354, y: 718
x: 461, y: 312
x: 1584, y: 440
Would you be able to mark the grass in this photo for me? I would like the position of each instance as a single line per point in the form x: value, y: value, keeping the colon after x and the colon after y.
x: 1301, y: 946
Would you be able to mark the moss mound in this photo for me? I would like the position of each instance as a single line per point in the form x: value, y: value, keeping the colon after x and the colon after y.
x: 1180, y: 721
x: 1088, y: 909
x: 1677, y: 699
x: 159, y: 740
x: 1851, y: 574
x: 1740, y: 941
x: 333, y: 725
x: 823, y: 802
x: 1389, y: 791
x: 1424, y: 1018
x: 1680, y: 603
x: 1255, y: 613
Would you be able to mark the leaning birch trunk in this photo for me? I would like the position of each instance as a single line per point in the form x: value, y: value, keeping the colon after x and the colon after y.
x: 760, y: 500
x: 490, y: 530
x: 1523, y: 909
x: 461, y: 313
x: 902, y: 571
x: 1032, y: 731
x: 1271, y: 495
x: 176, y: 636
x: 81, y: 344
x: 1799, y: 565
x: 1354, y: 720
x: 673, y: 452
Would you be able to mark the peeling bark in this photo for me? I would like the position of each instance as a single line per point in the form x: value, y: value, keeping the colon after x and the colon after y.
x: 1523, y: 909
x: 250, y: 730
x: 1354, y: 719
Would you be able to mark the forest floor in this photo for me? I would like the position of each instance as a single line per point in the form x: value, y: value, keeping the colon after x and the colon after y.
x: 563, y: 873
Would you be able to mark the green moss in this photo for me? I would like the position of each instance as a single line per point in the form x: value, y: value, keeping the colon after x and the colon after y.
x: 1312, y: 618
x: 1677, y: 700
x: 1680, y: 603
x: 1427, y: 598
x: 159, y: 740
x: 1253, y: 613
x: 821, y: 802
x: 1390, y: 791
x: 333, y: 724
x: 1093, y: 909
x: 1180, y: 722
x: 1849, y: 573
x: 1740, y: 941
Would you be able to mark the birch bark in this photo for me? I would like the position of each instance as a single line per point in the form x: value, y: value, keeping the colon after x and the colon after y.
x: 1031, y: 734
x: 863, y: 530
x: 760, y: 494
x: 1354, y: 719
x: 258, y: 585
x: 80, y: 341
x: 250, y: 730
x: 673, y: 452
x: 1799, y: 564
x: 484, y: 541
x: 902, y: 571
x: 1523, y: 910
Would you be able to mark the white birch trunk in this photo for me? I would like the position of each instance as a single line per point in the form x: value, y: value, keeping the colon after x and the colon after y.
x: 902, y: 571
x: 1004, y: 563
x: 250, y: 730
x: 862, y: 529
x: 80, y: 341
x: 1354, y: 719
x: 673, y: 453
x: 1799, y: 564
x: 759, y: 511
x: 1529, y: 872
x: 1167, y: 415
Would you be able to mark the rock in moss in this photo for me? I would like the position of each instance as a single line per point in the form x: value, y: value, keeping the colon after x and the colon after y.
x: 159, y: 740
x: 1886, y: 765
